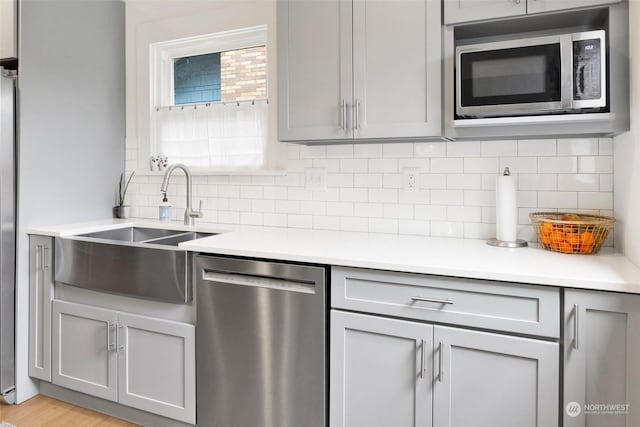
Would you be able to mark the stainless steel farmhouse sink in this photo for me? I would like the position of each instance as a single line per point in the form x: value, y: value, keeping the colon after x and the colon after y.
x: 136, y: 261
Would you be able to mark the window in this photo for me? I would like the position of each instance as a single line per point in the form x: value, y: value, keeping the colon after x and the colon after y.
x: 209, y: 100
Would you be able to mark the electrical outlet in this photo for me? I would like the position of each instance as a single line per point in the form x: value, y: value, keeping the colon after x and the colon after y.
x: 315, y: 179
x: 410, y: 179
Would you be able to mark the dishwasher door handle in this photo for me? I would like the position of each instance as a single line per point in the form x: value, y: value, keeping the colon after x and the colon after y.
x: 255, y: 281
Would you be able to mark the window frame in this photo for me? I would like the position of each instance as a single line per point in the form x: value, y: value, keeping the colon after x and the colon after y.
x: 163, y: 54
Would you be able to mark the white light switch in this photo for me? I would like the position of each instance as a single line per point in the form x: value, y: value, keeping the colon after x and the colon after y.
x: 315, y: 179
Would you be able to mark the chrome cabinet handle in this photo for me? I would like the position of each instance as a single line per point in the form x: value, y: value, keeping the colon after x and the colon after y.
x: 576, y: 326
x: 440, y: 359
x: 423, y: 355
x: 517, y: 1
x: 44, y: 263
x: 343, y: 115
x: 38, y: 257
x: 110, y: 345
x: 118, y: 338
x: 436, y: 300
x: 357, y: 115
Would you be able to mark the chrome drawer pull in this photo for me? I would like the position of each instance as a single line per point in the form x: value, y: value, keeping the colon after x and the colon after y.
x: 436, y: 300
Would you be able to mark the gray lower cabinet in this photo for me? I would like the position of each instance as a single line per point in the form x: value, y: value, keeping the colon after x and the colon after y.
x: 388, y: 372
x: 381, y: 372
x: 138, y: 361
x: 601, y: 359
x: 486, y: 379
x: 40, y: 296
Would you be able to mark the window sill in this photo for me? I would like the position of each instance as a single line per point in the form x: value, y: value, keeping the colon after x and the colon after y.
x: 196, y: 172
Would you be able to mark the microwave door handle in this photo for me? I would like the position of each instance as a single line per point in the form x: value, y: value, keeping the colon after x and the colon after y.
x: 566, y: 78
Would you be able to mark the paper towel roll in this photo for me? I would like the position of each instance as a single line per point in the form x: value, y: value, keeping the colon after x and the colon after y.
x: 506, y: 211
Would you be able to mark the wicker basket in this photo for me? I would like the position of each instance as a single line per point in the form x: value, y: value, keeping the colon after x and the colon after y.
x: 581, y: 236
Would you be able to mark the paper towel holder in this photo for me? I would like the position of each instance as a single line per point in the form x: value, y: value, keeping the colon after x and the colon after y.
x: 518, y: 243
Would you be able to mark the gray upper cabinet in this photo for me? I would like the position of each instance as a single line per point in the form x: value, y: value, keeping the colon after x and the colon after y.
x: 537, y: 6
x: 601, y: 350
x: 314, y: 69
x: 339, y: 72
x: 40, y: 296
x: 381, y: 372
x: 484, y: 379
x: 458, y: 11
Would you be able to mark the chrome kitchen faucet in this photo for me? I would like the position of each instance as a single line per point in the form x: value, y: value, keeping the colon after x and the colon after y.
x: 189, y: 214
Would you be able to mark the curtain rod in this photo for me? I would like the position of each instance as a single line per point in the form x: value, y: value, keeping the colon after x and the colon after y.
x: 208, y: 104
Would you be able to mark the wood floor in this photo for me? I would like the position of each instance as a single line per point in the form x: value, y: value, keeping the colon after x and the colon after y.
x: 43, y: 411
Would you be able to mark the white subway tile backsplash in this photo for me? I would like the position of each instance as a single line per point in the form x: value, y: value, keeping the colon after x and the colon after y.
x: 299, y: 221
x: 578, y: 147
x: 455, y: 165
x: 595, y: 164
x: 364, y: 186
x: 383, y: 165
x: 321, y: 222
x: 354, y: 165
x: 447, y: 197
x: 538, y: 182
x: 383, y: 225
x: 499, y: 148
x: 558, y: 165
x: 398, y: 211
x: 605, y: 146
x: 537, y: 147
x: 578, y: 182
x: 463, y: 148
x: 595, y: 200
x: 354, y: 224
x: 340, y: 151
x: 383, y: 195
x: 367, y: 180
x: 481, y: 165
x: 370, y: 151
x: 447, y: 229
x: 558, y: 199
x: 479, y: 198
x: 430, y: 213
x: 519, y: 164
x: 397, y: 150
x: 464, y: 181
x: 606, y: 182
x: 413, y: 227
x: 369, y: 210
x: 430, y: 149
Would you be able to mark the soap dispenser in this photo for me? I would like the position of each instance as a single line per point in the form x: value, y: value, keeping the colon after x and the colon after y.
x: 164, y: 209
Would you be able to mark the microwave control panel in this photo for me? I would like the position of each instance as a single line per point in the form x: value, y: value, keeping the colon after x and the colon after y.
x: 587, y: 80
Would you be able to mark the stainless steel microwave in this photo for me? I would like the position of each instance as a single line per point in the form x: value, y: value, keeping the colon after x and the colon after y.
x: 531, y: 76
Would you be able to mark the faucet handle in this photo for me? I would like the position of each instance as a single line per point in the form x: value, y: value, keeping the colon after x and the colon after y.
x: 198, y: 213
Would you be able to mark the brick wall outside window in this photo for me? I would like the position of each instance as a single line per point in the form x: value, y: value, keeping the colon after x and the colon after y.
x: 244, y: 74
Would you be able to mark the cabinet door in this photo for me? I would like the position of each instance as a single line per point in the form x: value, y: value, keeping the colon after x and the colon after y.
x: 84, y: 350
x: 8, y: 27
x: 380, y: 372
x: 397, y: 53
x: 601, y: 347
x: 538, y: 6
x: 485, y: 379
x: 157, y: 366
x: 314, y: 69
x: 456, y: 11
x: 40, y: 296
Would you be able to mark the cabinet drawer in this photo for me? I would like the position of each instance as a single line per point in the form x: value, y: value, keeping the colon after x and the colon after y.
x: 519, y: 308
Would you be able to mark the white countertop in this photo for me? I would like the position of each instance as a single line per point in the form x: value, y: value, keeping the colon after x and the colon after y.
x: 607, y: 270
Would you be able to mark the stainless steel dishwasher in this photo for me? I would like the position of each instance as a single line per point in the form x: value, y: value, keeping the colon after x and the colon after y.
x: 261, y: 343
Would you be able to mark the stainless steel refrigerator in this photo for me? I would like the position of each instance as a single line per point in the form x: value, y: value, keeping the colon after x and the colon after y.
x: 7, y: 235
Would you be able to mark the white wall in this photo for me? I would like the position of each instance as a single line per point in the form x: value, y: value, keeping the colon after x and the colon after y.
x: 627, y: 154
